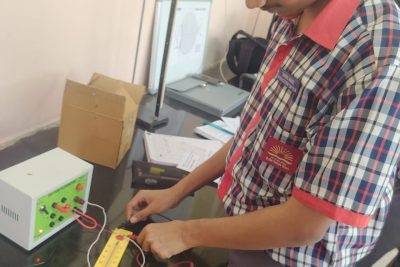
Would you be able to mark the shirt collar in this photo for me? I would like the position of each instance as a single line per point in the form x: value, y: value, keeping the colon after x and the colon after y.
x: 330, y: 23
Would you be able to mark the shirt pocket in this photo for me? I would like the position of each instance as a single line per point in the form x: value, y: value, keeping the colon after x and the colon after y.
x: 274, y: 179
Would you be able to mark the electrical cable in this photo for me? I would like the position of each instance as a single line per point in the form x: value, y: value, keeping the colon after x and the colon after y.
x: 256, y: 22
x: 221, y: 62
x: 66, y: 211
x: 36, y: 264
x: 141, y: 253
x: 94, y: 225
x: 163, y: 216
x: 99, y: 234
x: 87, y: 218
x: 139, y: 37
x: 103, y: 228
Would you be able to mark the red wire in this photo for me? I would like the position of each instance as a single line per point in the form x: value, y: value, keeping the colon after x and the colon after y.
x: 138, y: 259
x: 190, y: 263
x: 66, y: 211
x: 88, y: 218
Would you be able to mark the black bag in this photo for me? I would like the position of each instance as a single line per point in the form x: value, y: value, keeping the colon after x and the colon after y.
x: 245, y: 54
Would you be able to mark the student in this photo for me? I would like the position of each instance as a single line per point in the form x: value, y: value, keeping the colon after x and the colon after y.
x: 308, y: 178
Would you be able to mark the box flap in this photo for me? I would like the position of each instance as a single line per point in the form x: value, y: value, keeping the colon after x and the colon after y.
x: 130, y: 105
x: 127, y: 135
x: 94, y: 100
x: 136, y: 92
x: 98, y: 120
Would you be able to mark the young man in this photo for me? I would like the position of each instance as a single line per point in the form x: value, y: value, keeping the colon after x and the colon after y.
x: 308, y: 178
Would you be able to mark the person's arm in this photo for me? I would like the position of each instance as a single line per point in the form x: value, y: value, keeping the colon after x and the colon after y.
x: 148, y: 202
x: 207, y: 172
x: 288, y: 224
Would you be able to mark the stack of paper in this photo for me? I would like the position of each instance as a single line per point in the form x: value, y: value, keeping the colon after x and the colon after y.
x: 220, y: 130
x: 182, y: 152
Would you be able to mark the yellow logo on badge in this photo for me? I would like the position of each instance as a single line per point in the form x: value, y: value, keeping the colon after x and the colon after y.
x: 281, y: 153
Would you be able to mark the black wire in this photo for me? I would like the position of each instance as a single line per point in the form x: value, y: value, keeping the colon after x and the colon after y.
x: 163, y: 216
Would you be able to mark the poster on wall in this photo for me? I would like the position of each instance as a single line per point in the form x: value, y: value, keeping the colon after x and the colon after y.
x: 188, y: 41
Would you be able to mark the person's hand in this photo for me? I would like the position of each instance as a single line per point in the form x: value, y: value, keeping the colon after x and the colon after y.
x: 164, y: 240
x: 148, y: 202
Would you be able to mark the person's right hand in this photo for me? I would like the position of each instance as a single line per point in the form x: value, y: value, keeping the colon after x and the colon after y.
x: 148, y: 202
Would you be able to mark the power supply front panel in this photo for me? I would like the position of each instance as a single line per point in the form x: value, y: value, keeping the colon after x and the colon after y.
x: 47, y: 217
x: 28, y: 190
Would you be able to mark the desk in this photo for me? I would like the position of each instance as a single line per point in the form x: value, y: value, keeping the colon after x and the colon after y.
x: 111, y: 189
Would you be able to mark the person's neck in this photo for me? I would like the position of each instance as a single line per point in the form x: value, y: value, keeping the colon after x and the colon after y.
x: 309, y: 14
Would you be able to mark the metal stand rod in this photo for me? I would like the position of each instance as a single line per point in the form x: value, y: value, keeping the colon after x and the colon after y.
x: 167, y: 46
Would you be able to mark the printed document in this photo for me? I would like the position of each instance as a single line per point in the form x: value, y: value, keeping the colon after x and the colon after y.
x: 220, y: 130
x: 182, y: 152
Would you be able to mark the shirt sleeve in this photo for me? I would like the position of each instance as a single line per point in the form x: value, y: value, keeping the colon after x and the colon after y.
x: 351, y: 160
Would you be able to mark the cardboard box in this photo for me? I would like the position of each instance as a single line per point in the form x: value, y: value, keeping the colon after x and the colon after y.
x: 98, y: 119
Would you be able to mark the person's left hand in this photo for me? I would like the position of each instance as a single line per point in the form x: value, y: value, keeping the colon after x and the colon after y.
x: 164, y: 239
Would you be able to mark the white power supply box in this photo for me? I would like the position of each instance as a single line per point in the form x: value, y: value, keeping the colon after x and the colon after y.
x: 29, y: 192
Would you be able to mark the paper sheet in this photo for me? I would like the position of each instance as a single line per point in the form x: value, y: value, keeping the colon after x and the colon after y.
x: 182, y: 152
x: 210, y: 132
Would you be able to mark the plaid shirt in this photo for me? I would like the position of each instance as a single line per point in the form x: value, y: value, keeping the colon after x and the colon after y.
x: 322, y: 125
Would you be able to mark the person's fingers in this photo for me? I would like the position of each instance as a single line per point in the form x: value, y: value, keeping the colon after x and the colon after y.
x: 142, y: 240
x: 130, y: 206
x: 145, y: 246
x: 138, y: 202
x: 162, y: 254
x: 156, y: 249
x: 141, y: 214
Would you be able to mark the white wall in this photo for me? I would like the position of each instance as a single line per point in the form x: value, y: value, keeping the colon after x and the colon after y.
x: 44, y: 42
x: 226, y: 18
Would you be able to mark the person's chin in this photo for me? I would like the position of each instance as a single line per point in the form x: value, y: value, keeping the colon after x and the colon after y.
x: 282, y: 13
x: 270, y: 9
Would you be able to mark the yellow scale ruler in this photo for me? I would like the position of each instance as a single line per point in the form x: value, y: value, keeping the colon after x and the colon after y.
x: 114, y: 249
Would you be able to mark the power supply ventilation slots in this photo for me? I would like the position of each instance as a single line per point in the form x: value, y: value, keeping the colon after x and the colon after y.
x: 13, y: 215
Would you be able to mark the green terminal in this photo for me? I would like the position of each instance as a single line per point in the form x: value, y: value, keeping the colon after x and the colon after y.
x: 47, y: 216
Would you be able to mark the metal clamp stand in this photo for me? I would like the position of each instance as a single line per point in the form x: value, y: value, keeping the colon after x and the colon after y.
x: 146, y: 119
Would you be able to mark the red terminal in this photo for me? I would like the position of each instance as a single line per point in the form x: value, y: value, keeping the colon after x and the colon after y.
x: 79, y: 200
x: 79, y: 187
x: 61, y: 209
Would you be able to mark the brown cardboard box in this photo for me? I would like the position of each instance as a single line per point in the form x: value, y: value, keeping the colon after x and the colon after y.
x: 98, y: 119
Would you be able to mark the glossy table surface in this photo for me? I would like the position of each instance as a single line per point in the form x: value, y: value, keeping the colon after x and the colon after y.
x: 112, y: 190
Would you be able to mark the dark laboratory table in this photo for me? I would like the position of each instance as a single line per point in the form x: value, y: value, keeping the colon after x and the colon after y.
x: 112, y: 190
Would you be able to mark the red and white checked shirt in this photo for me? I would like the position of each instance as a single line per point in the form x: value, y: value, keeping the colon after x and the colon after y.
x: 322, y: 125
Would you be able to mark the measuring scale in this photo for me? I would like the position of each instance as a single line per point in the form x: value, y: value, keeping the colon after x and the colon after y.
x: 114, y: 249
